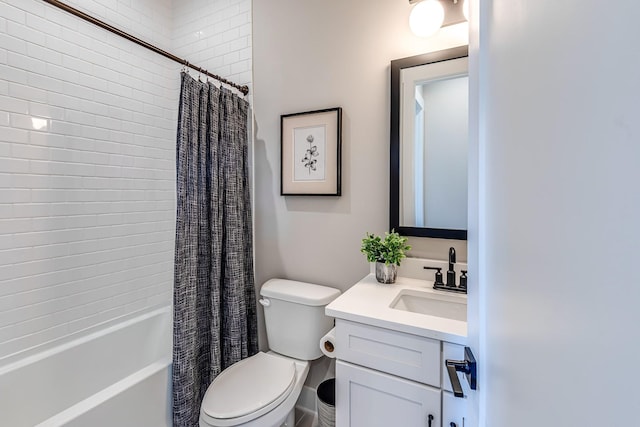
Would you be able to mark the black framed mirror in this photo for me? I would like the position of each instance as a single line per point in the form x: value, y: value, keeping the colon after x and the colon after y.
x: 429, y: 120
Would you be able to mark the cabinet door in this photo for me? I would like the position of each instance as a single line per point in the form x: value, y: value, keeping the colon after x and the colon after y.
x: 368, y: 398
x: 454, y: 410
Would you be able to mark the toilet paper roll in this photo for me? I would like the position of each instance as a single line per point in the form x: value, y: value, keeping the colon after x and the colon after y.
x: 328, y: 344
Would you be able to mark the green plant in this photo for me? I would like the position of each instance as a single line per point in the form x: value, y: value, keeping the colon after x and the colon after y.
x: 389, y: 250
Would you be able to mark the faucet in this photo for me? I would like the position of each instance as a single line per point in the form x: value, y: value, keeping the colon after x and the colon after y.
x: 451, y: 276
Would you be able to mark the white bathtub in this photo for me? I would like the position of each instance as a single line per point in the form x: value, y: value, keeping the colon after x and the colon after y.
x: 119, y: 376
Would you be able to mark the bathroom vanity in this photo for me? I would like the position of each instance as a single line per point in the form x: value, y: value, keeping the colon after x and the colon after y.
x: 391, y: 345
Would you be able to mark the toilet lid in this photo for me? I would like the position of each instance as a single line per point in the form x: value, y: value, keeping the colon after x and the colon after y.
x: 250, y: 385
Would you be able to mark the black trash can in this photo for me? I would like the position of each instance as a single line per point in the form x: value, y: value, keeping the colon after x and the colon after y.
x: 326, y: 403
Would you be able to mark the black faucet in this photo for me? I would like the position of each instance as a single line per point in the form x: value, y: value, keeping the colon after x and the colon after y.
x: 451, y: 274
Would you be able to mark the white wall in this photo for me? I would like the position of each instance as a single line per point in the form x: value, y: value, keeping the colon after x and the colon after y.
x: 87, y: 202
x: 559, y: 210
x: 314, y: 55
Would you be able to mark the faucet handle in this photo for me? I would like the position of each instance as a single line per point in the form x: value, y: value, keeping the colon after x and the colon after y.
x: 463, y: 279
x: 438, y: 275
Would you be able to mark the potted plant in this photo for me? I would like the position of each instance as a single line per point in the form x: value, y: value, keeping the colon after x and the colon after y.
x: 386, y: 253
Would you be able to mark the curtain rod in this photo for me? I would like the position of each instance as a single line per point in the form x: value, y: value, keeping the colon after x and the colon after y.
x: 114, y: 30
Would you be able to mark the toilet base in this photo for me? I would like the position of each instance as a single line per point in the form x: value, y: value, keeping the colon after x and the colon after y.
x: 290, y: 421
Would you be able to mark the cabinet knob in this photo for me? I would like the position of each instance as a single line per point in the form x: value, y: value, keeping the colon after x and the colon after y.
x: 430, y: 418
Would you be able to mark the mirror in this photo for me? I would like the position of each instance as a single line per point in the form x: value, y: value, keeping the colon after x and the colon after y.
x: 429, y: 137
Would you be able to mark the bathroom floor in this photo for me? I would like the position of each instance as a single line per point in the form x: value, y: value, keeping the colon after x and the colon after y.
x: 305, y: 418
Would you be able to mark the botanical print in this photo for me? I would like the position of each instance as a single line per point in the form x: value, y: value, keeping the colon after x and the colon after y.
x: 312, y: 151
x: 309, y: 145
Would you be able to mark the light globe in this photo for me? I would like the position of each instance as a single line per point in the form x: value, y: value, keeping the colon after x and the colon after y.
x: 426, y: 18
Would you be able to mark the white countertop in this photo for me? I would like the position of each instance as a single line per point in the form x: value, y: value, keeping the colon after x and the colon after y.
x: 369, y: 302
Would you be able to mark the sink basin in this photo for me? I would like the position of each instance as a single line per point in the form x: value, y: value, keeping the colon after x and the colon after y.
x: 432, y: 304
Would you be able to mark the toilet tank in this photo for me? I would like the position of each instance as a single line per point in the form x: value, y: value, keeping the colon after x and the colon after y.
x: 294, y: 316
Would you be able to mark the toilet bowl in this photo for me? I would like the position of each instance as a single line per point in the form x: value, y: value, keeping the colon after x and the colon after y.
x: 262, y: 390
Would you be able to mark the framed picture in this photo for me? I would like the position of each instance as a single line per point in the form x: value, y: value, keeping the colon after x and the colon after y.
x: 311, y: 145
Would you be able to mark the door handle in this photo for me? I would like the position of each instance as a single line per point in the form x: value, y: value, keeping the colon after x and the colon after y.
x: 453, y: 377
x: 430, y: 419
x: 468, y: 366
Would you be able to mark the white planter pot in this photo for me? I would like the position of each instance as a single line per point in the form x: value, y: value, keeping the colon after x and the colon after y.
x: 386, y: 273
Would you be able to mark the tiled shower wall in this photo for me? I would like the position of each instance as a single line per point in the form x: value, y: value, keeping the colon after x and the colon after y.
x: 216, y: 35
x: 87, y: 163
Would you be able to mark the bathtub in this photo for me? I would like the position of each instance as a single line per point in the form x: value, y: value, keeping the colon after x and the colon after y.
x: 119, y: 376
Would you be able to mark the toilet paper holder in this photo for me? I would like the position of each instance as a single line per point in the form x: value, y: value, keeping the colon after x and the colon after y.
x: 329, y: 346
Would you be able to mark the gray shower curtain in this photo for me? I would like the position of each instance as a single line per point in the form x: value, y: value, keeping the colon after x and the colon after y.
x: 214, y: 303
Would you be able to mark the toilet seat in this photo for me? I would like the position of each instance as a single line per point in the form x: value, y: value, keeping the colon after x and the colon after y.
x: 249, y: 389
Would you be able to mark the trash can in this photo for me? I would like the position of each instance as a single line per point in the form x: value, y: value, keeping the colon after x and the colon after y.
x: 326, y: 403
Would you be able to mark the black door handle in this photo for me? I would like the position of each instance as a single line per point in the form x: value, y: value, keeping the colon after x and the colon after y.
x: 430, y: 418
x: 468, y: 366
x: 453, y: 377
x: 452, y: 424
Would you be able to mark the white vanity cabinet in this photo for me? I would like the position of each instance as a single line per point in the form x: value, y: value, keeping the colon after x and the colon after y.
x: 453, y: 410
x: 389, y: 378
x: 376, y: 399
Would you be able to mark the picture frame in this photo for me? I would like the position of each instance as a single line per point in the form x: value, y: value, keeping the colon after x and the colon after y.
x: 311, y: 153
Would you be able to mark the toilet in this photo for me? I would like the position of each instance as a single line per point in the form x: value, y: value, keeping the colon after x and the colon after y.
x: 262, y: 390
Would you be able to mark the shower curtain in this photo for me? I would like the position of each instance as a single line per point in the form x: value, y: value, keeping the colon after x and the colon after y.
x: 215, y: 321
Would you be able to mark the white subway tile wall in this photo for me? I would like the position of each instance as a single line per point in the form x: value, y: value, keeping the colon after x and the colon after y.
x: 215, y: 35
x: 87, y: 157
